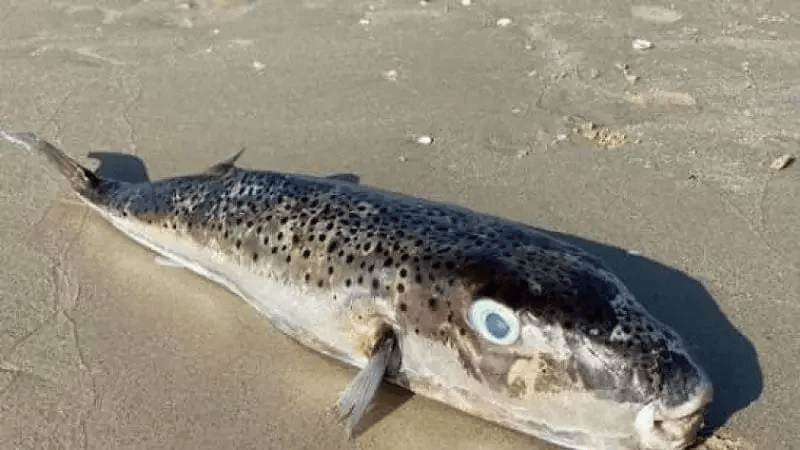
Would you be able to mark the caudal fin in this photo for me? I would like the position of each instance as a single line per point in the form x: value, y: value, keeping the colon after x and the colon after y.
x: 82, y: 179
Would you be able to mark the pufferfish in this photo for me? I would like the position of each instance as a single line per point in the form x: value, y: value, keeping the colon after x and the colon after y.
x: 490, y: 316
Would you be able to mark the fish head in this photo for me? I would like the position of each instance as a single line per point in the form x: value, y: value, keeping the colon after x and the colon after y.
x: 567, y: 353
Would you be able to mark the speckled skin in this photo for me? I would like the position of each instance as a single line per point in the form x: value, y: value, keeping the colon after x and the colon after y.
x: 422, y: 265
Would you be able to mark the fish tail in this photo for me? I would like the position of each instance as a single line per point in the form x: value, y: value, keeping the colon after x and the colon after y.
x: 83, y: 180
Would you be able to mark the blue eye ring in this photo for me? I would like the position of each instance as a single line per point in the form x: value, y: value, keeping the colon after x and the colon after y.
x: 494, y: 321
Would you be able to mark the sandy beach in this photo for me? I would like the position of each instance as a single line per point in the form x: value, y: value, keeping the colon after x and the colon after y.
x: 645, y: 132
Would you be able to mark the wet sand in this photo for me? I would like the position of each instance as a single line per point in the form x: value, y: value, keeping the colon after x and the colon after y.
x: 657, y: 159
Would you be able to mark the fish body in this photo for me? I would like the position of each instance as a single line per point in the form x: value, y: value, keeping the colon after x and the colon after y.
x: 490, y: 316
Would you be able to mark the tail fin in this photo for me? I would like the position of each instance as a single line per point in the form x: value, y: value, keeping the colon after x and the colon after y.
x: 82, y: 179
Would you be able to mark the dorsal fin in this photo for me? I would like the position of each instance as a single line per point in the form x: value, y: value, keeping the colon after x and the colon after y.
x: 221, y: 168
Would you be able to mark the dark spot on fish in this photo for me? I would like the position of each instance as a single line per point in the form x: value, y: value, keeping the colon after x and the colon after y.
x: 432, y: 304
x: 255, y: 256
x: 418, y: 278
x: 388, y: 262
x: 306, y: 253
x: 400, y: 288
x: 295, y: 239
x: 403, y: 273
x: 308, y: 277
x: 403, y: 307
x: 266, y: 240
x: 367, y: 246
x: 375, y: 283
x: 360, y: 280
x: 280, y: 235
x: 274, y: 250
x: 238, y: 243
x: 288, y: 258
x: 348, y: 282
x: 320, y: 283
x: 450, y: 317
x: 350, y: 258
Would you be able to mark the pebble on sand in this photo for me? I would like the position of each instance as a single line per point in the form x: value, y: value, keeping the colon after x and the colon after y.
x: 390, y: 75
x: 503, y: 22
x: 641, y: 44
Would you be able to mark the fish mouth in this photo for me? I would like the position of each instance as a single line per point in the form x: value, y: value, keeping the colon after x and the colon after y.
x: 677, y: 427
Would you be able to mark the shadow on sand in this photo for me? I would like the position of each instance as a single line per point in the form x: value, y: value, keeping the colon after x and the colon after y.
x: 670, y: 295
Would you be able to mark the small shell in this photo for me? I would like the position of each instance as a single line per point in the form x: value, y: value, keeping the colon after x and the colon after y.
x: 503, y: 22
x: 425, y: 140
x: 641, y: 44
x: 782, y: 162
x: 390, y: 75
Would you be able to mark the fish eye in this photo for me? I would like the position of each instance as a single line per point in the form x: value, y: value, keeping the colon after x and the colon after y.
x: 496, y: 322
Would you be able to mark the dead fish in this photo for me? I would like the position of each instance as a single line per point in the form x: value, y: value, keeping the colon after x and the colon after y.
x: 490, y: 316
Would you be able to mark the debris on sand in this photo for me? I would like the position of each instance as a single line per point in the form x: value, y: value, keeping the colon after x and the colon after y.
x: 641, y: 44
x: 625, y: 69
x: 601, y: 136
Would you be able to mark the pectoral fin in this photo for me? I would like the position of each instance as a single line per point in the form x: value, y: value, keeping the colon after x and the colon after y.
x: 359, y: 394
